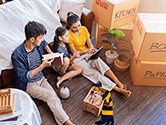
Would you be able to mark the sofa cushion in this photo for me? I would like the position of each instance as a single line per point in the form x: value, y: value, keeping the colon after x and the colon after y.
x: 13, y: 18
x: 75, y: 6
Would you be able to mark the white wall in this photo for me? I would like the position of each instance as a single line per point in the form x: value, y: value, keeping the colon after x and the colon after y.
x: 145, y: 6
x: 88, y: 4
x: 152, y: 6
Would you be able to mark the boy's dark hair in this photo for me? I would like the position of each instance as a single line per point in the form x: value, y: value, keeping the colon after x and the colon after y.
x: 72, y: 18
x: 34, y: 29
x: 60, y: 31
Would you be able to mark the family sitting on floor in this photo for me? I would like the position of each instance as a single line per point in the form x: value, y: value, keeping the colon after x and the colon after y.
x: 28, y: 64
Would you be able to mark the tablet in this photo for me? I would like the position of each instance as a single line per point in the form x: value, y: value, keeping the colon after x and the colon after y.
x: 96, y: 54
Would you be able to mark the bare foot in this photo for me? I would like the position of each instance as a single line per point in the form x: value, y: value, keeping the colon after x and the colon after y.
x: 68, y: 122
x: 70, y: 78
x: 126, y: 93
x: 122, y: 86
x: 58, y: 78
x: 58, y: 83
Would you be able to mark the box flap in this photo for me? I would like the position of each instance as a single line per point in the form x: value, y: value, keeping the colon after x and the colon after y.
x: 127, y: 26
x: 155, y: 23
x: 117, y: 1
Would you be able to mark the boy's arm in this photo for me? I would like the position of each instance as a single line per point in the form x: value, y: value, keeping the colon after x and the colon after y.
x: 47, y: 49
x: 45, y: 63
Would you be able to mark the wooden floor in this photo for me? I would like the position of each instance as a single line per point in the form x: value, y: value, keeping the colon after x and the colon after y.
x: 145, y: 106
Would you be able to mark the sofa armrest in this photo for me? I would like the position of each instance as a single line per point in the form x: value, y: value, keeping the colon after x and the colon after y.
x: 87, y: 19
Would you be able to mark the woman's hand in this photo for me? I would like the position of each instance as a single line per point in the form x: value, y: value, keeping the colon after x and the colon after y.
x: 91, y: 51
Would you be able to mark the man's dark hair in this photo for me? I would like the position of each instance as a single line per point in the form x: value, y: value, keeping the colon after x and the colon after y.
x: 72, y: 18
x: 34, y: 29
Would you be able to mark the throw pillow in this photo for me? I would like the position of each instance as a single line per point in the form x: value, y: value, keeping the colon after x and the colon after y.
x: 53, y: 4
x: 75, y: 6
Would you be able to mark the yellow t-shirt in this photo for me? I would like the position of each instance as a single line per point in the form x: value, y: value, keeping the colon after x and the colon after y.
x: 79, y: 42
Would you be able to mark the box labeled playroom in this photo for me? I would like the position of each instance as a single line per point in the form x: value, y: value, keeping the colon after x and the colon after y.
x: 148, y: 73
x: 127, y: 29
x: 148, y: 37
x: 91, y: 105
x: 114, y: 13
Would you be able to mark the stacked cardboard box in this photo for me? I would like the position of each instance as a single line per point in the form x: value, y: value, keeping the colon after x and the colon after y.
x: 148, y: 64
x: 111, y: 14
x: 114, y: 13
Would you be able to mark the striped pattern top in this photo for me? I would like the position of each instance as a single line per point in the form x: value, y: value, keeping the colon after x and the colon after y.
x: 34, y: 62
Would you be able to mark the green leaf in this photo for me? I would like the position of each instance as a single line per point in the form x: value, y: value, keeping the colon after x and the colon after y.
x: 111, y: 31
x: 123, y: 34
x: 109, y: 35
x: 119, y: 32
x: 111, y: 39
x: 124, y: 40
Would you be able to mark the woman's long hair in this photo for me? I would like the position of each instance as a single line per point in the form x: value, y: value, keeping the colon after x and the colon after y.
x: 72, y: 18
x: 60, y: 31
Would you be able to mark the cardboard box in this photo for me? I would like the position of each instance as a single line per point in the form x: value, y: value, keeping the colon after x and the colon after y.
x: 90, y: 107
x: 127, y: 29
x: 148, y: 73
x: 148, y: 37
x: 114, y: 13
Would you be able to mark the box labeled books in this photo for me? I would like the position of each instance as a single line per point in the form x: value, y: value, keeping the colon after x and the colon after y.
x: 58, y: 58
x: 114, y: 13
x: 148, y: 37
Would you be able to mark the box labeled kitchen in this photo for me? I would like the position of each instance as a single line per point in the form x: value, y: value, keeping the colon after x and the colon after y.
x: 114, y: 13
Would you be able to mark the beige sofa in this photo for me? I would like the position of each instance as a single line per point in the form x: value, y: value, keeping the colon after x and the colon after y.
x: 7, y: 75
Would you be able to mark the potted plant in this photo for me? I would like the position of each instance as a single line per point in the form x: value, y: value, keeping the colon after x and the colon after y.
x: 113, y: 38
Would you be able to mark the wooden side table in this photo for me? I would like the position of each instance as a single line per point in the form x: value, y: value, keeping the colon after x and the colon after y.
x: 1, y: 2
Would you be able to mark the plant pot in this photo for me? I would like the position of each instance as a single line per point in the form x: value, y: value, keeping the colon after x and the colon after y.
x: 122, y: 62
x: 111, y: 57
